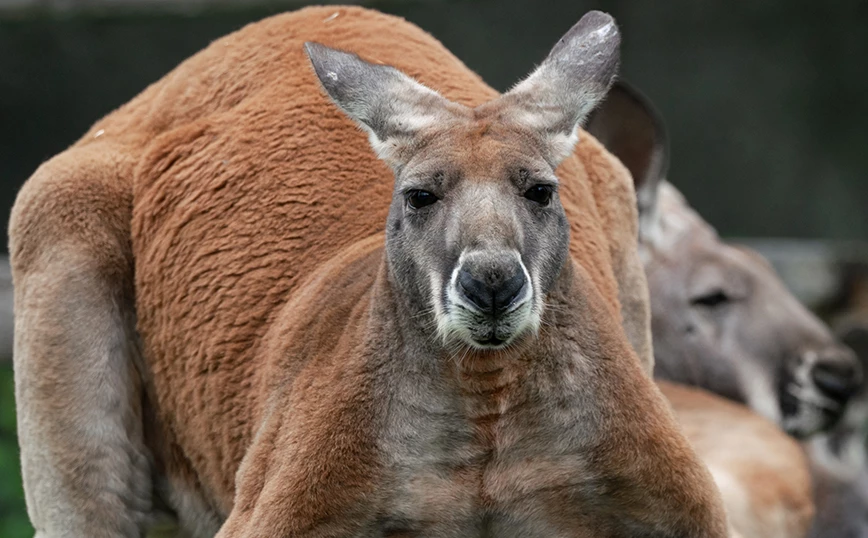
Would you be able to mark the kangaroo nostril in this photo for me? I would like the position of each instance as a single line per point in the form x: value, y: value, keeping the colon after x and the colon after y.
x: 493, y: 296
x: 509, y: 290
x: 837, y: 379
x: 475, y: 291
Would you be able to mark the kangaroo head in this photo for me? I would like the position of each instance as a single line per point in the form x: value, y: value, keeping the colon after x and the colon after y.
x: 476, y: 234
x: 721, y: 317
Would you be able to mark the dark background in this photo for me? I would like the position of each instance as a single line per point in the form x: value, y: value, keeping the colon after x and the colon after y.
x: 766, y: 101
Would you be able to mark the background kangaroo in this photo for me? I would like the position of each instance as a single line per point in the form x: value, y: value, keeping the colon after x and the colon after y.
x: 721, y: 318
x: 723, y: 321
x: 301, y: 375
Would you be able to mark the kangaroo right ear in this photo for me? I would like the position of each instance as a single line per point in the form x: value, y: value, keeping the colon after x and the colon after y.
x: 573, y: 78
x: 628, y: 125
x: 391, y: 106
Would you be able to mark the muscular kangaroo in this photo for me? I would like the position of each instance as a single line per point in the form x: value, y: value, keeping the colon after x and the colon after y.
x: 214, y: 290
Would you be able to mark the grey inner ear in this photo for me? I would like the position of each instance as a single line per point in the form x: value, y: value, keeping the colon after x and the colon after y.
x: 569, y: 83
x: 629, y: 126
x: 355, y: 85
x: 584, y: 62
x: 390, y: 105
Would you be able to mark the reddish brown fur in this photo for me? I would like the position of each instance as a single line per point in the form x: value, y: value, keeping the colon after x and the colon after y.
x: 266, y: 258
x: 251, y: 242
x: 763, y: 473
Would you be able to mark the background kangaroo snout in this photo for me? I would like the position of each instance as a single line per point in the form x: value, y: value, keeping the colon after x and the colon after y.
x: 826, y: 378
x: 837, y: 373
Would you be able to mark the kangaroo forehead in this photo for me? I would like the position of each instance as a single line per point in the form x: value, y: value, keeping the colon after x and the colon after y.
x: 479, y: 149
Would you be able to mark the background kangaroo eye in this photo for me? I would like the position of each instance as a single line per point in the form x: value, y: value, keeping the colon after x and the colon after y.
x: 711, y: 300
x: 418, y: 198
x: 540, y: 194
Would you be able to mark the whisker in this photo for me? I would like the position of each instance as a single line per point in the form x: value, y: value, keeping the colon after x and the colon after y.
x: 423, y: 313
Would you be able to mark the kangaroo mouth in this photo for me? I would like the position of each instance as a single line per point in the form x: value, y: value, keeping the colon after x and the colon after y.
x: 806, y: 411
x: 492, y: 341
x: 485, y: 332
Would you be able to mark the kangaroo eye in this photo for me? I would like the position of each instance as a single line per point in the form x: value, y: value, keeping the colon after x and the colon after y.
x: 711, y: 300
x: 418, y: 198
x: 541, y: 194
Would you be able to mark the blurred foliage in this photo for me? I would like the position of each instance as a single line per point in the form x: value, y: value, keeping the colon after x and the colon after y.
x: 13, y: 517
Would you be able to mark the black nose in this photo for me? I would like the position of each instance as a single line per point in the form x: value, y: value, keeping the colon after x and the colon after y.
x: 493, y: 292
x: 837, y: 374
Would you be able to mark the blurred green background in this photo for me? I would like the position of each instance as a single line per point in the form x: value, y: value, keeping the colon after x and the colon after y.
x: 764, y: 100
x: 13, y: 518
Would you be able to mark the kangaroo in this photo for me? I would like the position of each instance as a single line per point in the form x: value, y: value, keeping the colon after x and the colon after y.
x: 721, y: 317
x: 222, y: 288
x: 719, y: 337
x: 839, y: 457
x: 762, y: 473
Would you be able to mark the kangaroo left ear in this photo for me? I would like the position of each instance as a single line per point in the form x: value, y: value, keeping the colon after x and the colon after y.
x: 391, y: 106
x: 629, y: 126
x: 568, y: 84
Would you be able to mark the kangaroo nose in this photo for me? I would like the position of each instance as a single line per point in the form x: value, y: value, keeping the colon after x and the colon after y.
x: 495, y: 291
x: 837, y: 374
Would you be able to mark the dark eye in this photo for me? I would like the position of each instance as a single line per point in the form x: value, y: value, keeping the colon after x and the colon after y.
x: 419, y: 198
x: 713, y: 299
x: 541, y: 194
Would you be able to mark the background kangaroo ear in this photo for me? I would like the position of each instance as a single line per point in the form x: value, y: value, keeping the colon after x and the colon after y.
x: 629, y: 126
x: 569, y: 83
x: 391, y: 106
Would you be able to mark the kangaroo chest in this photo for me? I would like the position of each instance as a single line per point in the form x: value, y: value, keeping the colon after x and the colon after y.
x: 496, y: 458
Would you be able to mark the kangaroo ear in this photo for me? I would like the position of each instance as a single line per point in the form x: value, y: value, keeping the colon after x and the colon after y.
x: 629, y: 126
x: 391, y: 106
x: 573, y: 78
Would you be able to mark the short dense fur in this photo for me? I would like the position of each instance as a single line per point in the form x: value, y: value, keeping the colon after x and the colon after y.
x: 762, y: 473
x: 232, y: 215
x: 724, y: 321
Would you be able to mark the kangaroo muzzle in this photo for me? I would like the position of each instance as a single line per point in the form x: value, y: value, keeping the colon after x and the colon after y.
x: 493, y: 284
x: 489, y: 299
